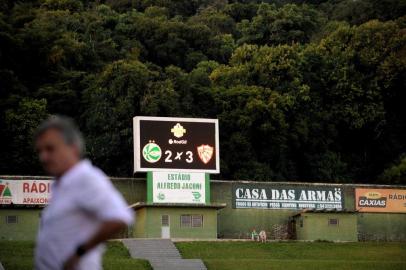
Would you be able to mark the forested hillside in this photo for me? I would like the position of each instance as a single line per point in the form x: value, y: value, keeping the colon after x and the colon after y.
x: 304, y: 90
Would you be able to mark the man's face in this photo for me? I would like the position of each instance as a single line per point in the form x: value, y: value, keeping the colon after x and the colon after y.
x: 55, y: 155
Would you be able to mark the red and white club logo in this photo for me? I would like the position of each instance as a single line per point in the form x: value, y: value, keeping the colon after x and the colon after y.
x: 205, y: 152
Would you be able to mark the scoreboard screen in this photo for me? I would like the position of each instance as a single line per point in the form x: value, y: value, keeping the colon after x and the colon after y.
x: 176, y: 144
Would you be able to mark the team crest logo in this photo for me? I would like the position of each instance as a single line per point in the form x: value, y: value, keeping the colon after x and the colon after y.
x: 205, y: 152
x: 151, y: 152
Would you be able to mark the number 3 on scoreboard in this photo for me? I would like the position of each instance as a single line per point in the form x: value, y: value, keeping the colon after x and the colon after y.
x: 189, y: 156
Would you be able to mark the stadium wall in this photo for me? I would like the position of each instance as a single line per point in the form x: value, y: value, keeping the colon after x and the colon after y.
x: 26, y: 227
x: 317, y: 226
x: 231, y: 223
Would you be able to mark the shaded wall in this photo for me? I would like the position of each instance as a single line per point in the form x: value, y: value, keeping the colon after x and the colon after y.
x: 149, y: 223
x: 316, y: 227
x: 231, y: 223
x: 26, y: 227
x: 381, y: 227
x: 238, y: 223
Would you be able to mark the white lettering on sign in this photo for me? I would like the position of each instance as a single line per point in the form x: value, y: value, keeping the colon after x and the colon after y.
x: 259, y: 196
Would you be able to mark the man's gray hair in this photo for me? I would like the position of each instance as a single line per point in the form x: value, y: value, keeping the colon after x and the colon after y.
x: 68, y: 129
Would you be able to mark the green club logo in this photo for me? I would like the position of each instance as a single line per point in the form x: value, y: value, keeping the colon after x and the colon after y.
x: 152, y: 152
x: 196, y: 195
x: 161, y: 196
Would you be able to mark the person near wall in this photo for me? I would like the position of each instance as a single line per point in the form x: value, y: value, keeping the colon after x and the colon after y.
x: 262, y: 236
x: 85, y: 209
x: 254, y: 235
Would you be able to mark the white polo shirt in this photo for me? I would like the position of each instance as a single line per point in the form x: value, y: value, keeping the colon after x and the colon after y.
x: 80, y: 201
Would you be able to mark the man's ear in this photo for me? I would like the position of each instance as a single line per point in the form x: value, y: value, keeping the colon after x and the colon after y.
x: 76, y: 150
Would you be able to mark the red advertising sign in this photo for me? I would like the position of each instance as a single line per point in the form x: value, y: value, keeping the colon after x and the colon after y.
x: 28, y: 192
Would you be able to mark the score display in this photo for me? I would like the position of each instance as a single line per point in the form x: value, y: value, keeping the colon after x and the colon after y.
x: 176, y: 144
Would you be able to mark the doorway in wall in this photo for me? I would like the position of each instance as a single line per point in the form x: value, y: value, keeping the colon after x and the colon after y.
x: 165, y: 227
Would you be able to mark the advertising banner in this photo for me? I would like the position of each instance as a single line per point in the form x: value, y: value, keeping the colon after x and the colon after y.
x: 168, y: 187
x: 27, y: 192
x: 176, y: 144
x: 380, y: 200
x: 262, y: 196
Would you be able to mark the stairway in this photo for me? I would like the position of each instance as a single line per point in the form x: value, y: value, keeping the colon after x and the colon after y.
x: 162, y: 254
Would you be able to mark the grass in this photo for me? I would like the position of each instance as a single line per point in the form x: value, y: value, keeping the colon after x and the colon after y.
x: 117, y: 255
x: 296, y: 255
x: 243, y: 255
x: 19, y: 255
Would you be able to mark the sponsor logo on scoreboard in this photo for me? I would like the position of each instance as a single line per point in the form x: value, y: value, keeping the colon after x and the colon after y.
x: 178, y: 131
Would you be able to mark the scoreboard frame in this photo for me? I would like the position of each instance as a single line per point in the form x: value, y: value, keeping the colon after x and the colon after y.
x: 138, y: 148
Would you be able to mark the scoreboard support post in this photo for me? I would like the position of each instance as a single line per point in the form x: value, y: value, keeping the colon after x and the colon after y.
x: 178, y: 155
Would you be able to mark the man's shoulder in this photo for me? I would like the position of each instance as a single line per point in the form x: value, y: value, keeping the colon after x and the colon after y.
x: 90, y: 175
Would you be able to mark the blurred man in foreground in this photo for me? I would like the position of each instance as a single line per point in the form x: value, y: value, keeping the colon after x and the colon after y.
x: 84, y: 210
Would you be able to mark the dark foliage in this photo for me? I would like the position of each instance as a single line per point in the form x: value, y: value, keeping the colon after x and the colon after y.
x: 304, y: 90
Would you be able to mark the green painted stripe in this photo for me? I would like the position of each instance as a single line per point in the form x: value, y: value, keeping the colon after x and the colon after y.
x: 207, y: 192
x: 149, y: 188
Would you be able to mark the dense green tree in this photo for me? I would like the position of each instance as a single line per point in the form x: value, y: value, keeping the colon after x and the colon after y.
x: 217, y: 21
x: 241, y: 11
x: 20, y: 124
x: 395, y: 174
x: 287, y: 24
x: 121, y: 91
x: 361, y: 11
x: 303, y: 90
x: 336, y: 95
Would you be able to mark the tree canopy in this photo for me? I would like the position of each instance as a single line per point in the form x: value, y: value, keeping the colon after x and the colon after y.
x: 303, y: 92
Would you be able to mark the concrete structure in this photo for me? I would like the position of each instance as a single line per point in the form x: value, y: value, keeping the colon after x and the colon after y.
x: 327, y: 225
x: 238, y: 223
x: 26, y: 226
x: 165, y: 221
x: 231, y: 223
x: 161, y: 254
